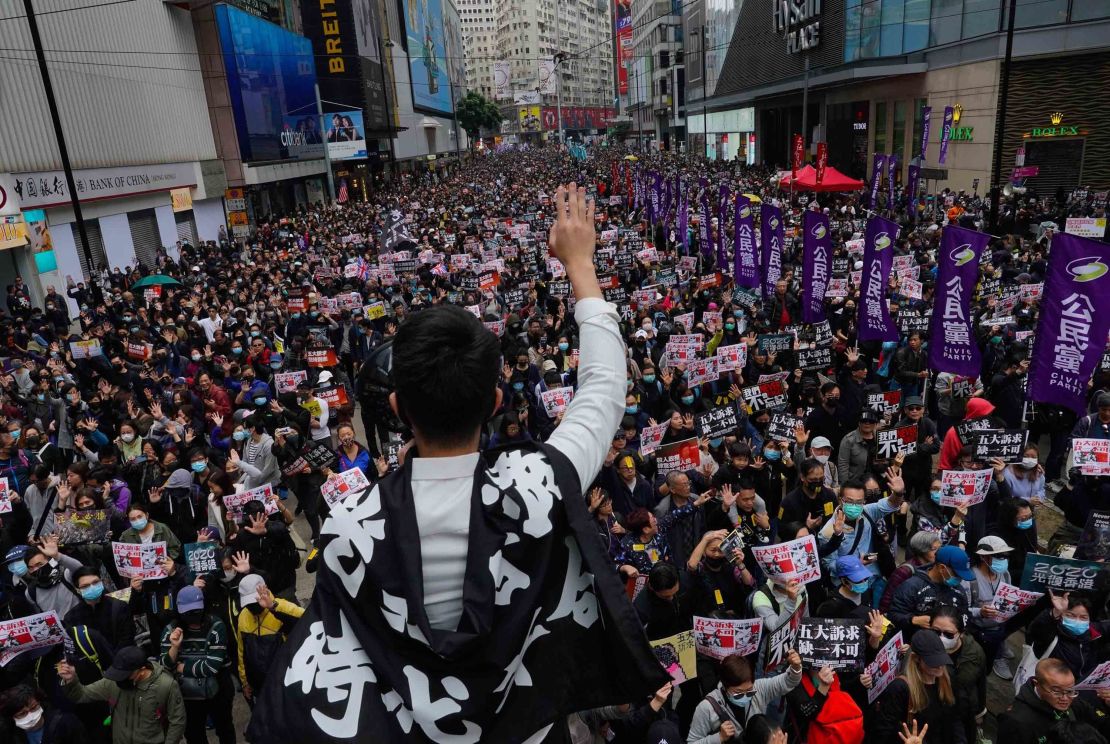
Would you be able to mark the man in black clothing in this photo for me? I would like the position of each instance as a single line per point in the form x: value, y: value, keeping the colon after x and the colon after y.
x: 109, y: 616
x: 848, y: 602
x: 811, y: 503
x: 1043, y: 700
x: 830, y: 419
x: 663, y: 605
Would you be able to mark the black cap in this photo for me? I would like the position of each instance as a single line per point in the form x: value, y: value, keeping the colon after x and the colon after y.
x: 927, y: 645
x: 127, y: 661
x: 870, y: 416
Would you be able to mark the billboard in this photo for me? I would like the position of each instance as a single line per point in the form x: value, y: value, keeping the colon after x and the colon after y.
x: 345, y: 135
x: 575, y: 117
x: 529, y: 118
x: 271, y: 78
x: 622, y: 19
x: 431, y: 89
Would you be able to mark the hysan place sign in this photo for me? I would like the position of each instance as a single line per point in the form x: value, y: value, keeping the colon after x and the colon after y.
x: 799, y: 23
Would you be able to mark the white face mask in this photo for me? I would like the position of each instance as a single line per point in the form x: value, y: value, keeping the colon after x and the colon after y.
x: 949, y: 643
x: 1029, y: 462
x: 31, y: 720
x: 821, y: 458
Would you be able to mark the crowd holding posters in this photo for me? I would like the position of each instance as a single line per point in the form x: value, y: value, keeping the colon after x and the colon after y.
x: 651, y: 437
x: 964, y: 487
x: 764, y: 396
x: 1045, y: 572
x: 556, y: 400
x: 82, y: 527
x: 884, y: 668
x: 5, y: 497
x: 889, y: 443
x: 28, y: 633
x: 1094, y: 541
x: 794, y: 560
x: 1098, y: 679
x: 833, y: 643
x: 719, y: 638
x: 234, y: 502
x: 732, y: 357
x: 1091, y: 456
x: 1003, y: 445
x: 716, y: 422
x: 340, y: 485
x: 678, y: 655
x: 202, y: 557
x: 681, y: 456
x: 1010, y: 600
x: 140, y: 560
x: 782, y: 639
x: 783, y: 427
x: 286, y: 382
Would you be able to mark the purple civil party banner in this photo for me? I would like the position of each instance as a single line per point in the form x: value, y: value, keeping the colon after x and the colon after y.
x: 771, y: 234
x: 745, y: 264
x: 655, y: 207
x: 666, y: 200
x: 878, y: 256
x: 952, y: 346
x: 816, y: 267
x: 683, y: 220
x: 878, y: 169
x: 915, y: 174
x: 945, y: 133
x: 722, y: 236
x: 891, y: 172
x: 706, y: 228
x: 1075, y: 318
x: 926, y: 121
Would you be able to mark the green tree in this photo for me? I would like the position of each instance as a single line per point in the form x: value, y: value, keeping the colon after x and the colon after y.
x: 475, y: 112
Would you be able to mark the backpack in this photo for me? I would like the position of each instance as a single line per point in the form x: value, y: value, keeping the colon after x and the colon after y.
x: 840, y: 720
x: 749, y: 601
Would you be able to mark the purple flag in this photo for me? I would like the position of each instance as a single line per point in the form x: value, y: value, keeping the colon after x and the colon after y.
x: 666, y: 200
x: 952, y: 346
x: 945, y: 133
x: 655, y: 207
x: 745, y: 265
x: 1075, y: 318
x: 817, y: 245
x: 891, y: 171
x: 915, y: 173
x: 926, y: 120
x: 722, y: 215
x: 878, y: 256
x: 877, y: 170
x: 683, y: 220
x: 771, y: 234
x: 706, y: 228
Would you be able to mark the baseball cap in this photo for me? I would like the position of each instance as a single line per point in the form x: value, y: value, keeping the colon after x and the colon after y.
x: 870, y: 416
x: 913, y: 400
x: 956, y: 560
x: 248, y: 588
x: 851, y: 567
x: 189, y: 598
x: 926, y: 644
x: 1104, y: 400
x: 820, y: 443
x: 549, y: 365
x: 126, y: 662
x: 992, y: 545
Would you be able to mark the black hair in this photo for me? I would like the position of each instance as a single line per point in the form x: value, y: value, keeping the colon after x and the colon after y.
x: 663, y: 576
x: 949, y: 612
x: 445, y: 372
x: 789, y: 530
x: 15, y: 699
x: 811, y: 463
x: 854, y: 483
x: 84, y: 571
x: 758, y: 729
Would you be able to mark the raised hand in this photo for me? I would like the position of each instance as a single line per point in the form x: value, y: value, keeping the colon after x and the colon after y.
x: 241, y: 562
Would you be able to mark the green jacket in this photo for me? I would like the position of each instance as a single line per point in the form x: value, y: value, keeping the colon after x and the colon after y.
x: 152, y: 712
x: 162, y: 533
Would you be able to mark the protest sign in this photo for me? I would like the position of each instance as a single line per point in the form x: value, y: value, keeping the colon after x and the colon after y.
x: 319, y: 456
x: 1098, y: 679
x: 1005, y: 445
x: 202, y: 557
x: 814, y: 359
x: 5, y: 499
x: 968, y: 429
x: 733, y: 541
x: 719, y: 639
x: 745, y: 298
x: 651, y: 437
x: 782, y: 427
x: 774, y: 377
x: 824, y: 642
x: 140, y: 561
x: 887, y: 402
x: 320, y: 358
x: 782, y: 639
x: 85, y: 349
x: 334, y: 395
x: 681, y: 456
x: 774, y: 343
x: 234, y: 502
x: 1094, y: 540
x: 884, y: 668
x: 717, y: 422
x: 1044, y: 572
x: 678, y: 655
x: 964, y: 487
x: 890, y: 442
x: 341, y: 485
x: 1091, y: 456
x: 28, y: 633
x: 139, y: 351
x: 794, y: 560
x: 1010, y: 600
x: 764, y: 396
x: 286, y: 382
x: 701, y: 371
x: 838, y: 287
x: 81, y: 527
x: 556, y: 400
x: 732, y: 358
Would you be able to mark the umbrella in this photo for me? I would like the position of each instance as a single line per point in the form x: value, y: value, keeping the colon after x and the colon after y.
x: 155, y: 279
x: 630, y: 157
x: 753, y: 199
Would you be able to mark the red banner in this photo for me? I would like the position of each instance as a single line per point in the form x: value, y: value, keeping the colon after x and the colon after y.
x: 822, y: 160
x: 622, y: 12
x: 799, y: 156
x: 575, y: 117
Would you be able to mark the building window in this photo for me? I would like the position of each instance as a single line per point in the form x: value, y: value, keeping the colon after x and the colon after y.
x: 899, y: 139
x: 851, y: 30
x: 870, y: 29
x: 1040, y: 13
x: 946, y: 22
x: 880, y: 126
x: 1086, y: 10
x: 915, y: 31
x: 981, y: 17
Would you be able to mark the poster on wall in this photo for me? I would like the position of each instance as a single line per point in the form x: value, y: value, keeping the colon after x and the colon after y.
x: 622, y: 19
x: 427, y: 56
x: 345, y: 135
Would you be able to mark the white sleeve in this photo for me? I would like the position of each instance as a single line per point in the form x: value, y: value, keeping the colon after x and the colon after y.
x: 323, y: 414
x: 586, y: 432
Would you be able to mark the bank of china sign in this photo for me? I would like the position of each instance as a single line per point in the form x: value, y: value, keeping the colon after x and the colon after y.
x: 799, y: 22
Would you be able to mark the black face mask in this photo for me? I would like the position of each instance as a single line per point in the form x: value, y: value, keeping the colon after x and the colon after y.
x: 127, y: 684
x: 46, y: 575
x: 193, y: 618
x: 832, y: 402
x: 714, y: 564
x: 254, y: 608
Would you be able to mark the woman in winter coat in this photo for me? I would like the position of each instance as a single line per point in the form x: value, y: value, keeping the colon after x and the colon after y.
x: 969, y: 679
x: 720, y: 718
x: 1067, y: 627
x: 923, y: 693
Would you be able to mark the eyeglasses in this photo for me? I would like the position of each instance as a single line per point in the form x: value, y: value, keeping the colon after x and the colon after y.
x: 853, y: 503
x: 915, y: 408
x: 745, y: 694
x: 949, y: 634
x: 1057, y: 692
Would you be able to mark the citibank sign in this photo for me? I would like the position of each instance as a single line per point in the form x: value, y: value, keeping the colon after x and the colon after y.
x: 799, y: 22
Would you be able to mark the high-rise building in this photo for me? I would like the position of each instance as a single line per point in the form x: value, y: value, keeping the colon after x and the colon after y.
x: 655, y: 73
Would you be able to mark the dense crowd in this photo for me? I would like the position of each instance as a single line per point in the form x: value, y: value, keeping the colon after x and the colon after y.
x: 153, y: 595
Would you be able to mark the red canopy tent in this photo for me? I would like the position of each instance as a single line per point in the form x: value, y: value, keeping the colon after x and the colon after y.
x: 834, y: 180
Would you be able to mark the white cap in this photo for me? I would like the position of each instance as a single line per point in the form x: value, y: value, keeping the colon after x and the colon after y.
x: 992, y: 545
x: 820, y: 443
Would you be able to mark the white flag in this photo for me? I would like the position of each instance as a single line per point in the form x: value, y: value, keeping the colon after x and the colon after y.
x: 502, y: 81
x: 547, y: 77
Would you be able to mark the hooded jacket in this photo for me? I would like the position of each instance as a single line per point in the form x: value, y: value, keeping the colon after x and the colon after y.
x: 151, y: 712
x: 1080, y: 653
x: 707, y: 720
x: 918, y: 595
x: 1030, y: 718
x: 950, y: 450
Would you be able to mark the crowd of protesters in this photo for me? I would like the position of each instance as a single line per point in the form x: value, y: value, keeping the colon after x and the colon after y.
x: 143, y: 408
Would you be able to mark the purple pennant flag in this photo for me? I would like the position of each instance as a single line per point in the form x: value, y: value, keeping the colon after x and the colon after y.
x: 911, y: 196
x: 952, y: 346
x: 655, y: 206
x: 722, y: 215
x: 666, y: 200
x: 878, y: 256
x: 817, y: 245
x: 771, y: 234
x: 683, y: 220
x: 877, y: 169
x: 745, y: 265
x: 891, y: 171
x: 926, y: 121
x: 945, y: 133
x: 706, y: 228
x: 1075, y: 318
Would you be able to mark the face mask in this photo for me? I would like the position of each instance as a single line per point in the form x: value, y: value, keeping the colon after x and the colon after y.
x: 1025, y: 524
x: 935, y: 496
x: 195, y: 357
x: 41, y: 397
x: 730, y: 326
x: 999, y: 565
x: 861, y: 587
x: 127, y: 684
x: 821, y: 458
x: 649, y: 379
x: 15, y: 434
x: 193, y: 618
x: 772, y: 454
x: 236, y: 350
x: 632, y: 410
x: 296, y: 315
x: 1029, y: 462
x: 229, y: 574
x: 139, y: 524
x: 47, y: 575
x: 952, y: 581
x: 1075, y: 627
x: 832, y: 402
x: 948, y: 643
x: 18, y: 568
x: 256, y: 334
x: 518, y: 386
x: 564, y: 347
x: 688, y: 399
x: 853, y: 511
x: 716, y: 442
x: 127, y: 438
x: 92, y: 592
x: 30, y: 721
x: 198, y: 467
x: 33, y: 442
x: 740, y: 701
x: 996, y: 339
x: 260, y: 401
